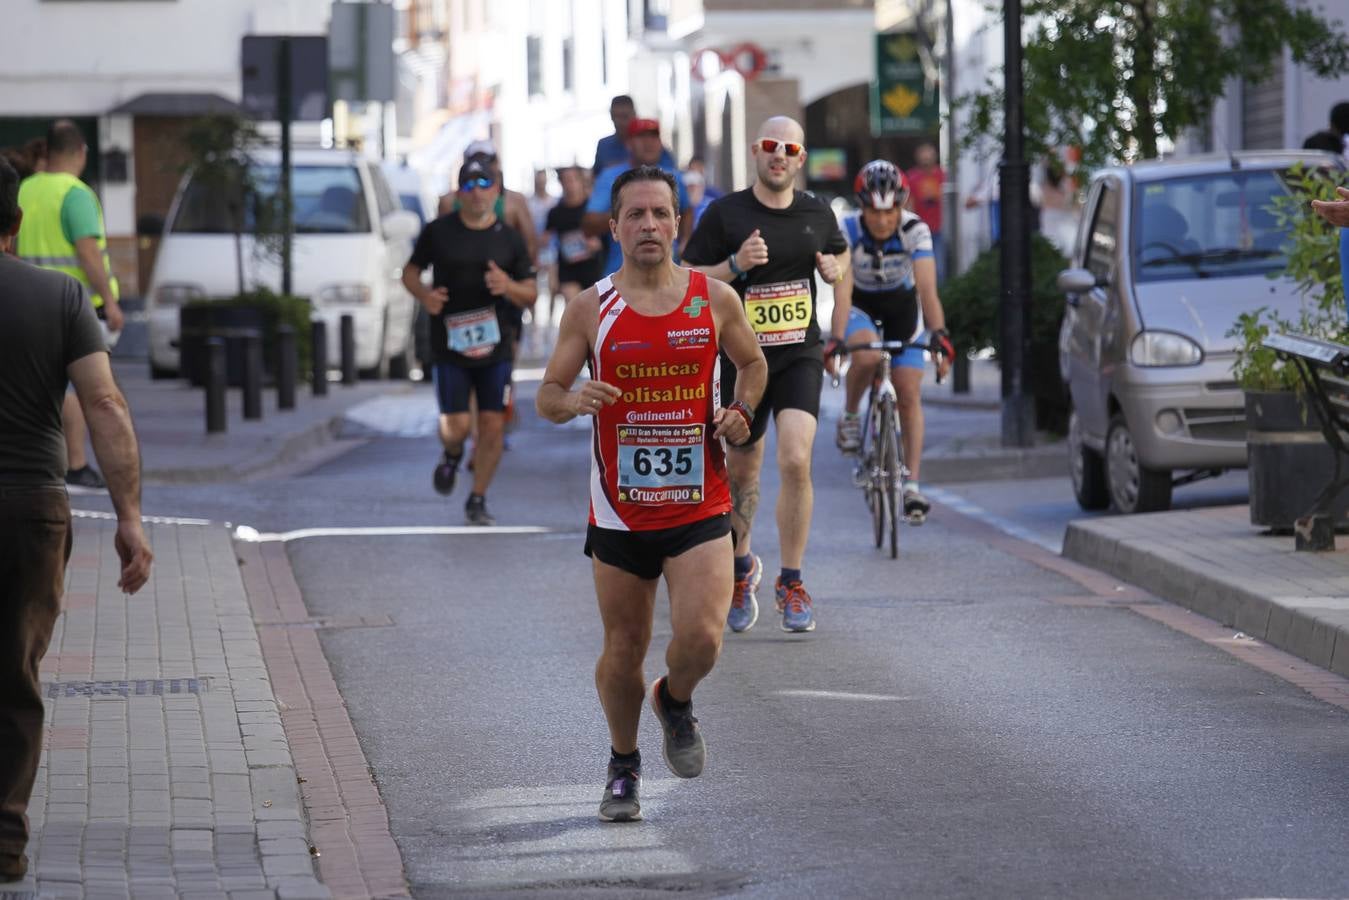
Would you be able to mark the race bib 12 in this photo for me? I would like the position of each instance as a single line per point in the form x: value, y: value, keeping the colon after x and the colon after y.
x: 474, y: 334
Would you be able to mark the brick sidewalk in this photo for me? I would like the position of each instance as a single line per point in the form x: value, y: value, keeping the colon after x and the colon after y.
x: 166, y: 770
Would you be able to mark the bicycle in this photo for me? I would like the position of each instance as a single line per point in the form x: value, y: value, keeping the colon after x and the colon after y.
x: 880, y: 469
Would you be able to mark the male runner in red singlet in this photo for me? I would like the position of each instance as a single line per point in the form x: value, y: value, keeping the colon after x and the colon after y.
x: 659, y: 500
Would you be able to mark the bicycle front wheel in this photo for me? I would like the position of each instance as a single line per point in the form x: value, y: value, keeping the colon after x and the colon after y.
x: 891, y: 477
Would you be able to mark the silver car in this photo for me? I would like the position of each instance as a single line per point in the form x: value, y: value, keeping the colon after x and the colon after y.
x: 1168, y: 254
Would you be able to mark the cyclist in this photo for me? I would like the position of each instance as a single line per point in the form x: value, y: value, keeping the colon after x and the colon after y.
x: 893, y: 278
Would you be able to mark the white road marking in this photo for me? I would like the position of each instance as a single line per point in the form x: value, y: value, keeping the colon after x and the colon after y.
x: 1006, y: 526
x: 151, y: 520
x: 248, y: 533
x: 841, y: 695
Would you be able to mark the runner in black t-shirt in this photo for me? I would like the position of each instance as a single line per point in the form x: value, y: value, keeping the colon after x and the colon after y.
x: 481, y: 271
x: 578, y: 255
x: 768, y: 242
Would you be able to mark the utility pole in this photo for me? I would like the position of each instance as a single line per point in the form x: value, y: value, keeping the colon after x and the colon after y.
x: 1018, y: 408
x: 283, y: 113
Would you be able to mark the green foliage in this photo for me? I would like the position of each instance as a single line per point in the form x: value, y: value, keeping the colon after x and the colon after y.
x: 277, y: 310
x: 218, y: 148
x: 1115, y: 77
x: 972, y: 301
x: 1313, y: 252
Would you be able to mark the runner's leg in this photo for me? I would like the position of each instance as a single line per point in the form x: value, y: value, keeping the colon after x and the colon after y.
x: 491, y: 433
x: 743, y: 465
x: 796, y: 495
x: 626, y: 602
x: 699, y: 582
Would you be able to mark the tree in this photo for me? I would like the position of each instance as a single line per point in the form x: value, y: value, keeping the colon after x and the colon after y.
x: 223, y: 180
x: 1115, y: 77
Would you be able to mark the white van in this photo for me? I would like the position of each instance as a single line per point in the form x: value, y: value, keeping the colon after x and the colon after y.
x: 352, y: 239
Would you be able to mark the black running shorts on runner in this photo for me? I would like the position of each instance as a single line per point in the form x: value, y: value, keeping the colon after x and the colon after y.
x: 643, y: 553
x: 797, y: 386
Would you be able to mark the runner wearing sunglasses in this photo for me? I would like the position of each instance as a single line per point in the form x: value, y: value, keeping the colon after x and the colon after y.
x: 893, y: 278
x: 768, y: 242
x: 481, y: 274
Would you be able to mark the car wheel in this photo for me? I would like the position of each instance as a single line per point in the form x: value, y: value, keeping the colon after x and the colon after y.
x: 1133, y: 488
x: 381, y: 367
x: 400, y: 365
x: 158, y: 373
x: 1087, y: 469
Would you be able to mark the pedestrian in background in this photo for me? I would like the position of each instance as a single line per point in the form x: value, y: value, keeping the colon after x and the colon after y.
x: 1331, y: 139
x: 48, y: 335
x: 578, y: 254
x: 63, y: 230
x: 645, y: 149
x: 613, y: 149
x: 925, y: 182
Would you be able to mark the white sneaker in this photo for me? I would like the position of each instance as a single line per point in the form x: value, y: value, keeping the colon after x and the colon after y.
x: 849, y: 435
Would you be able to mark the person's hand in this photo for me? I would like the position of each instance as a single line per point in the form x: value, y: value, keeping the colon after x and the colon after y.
x: 939, y: 344
x: 1336, y: 212
x: 827, y: 263
x: 112, y: 313
x: 831, y: 354
x: 753, y: 252
x: 134, y: 551
x: 435, y: 299
x: 971, y: 202
x: 594, y: 396
x: 731, y: 425
x: 498, y: 282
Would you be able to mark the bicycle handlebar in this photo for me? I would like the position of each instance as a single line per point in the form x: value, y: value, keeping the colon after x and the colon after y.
x: 843, y: 350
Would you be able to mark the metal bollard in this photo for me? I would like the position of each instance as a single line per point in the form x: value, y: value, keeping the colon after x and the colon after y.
x: 348, y: 349
x: 215, y: 385
x: 285, y: 367
x: 960, y: 373
x: 252, y: 375
x: 319, y: 349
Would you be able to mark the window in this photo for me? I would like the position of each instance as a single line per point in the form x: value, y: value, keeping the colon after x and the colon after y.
x: 383, y: 194
x: 568, y: 64
x: 534, y: 62
x: 328, y: 200
x: 1104, y: 231
x: 1205, y: 226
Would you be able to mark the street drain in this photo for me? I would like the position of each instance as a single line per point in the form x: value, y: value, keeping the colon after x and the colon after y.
x: 153, y: 687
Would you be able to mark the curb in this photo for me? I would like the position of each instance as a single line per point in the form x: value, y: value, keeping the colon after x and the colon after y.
x: 1047, y: 461
x: 1313, y: 628
x: 287, y: 450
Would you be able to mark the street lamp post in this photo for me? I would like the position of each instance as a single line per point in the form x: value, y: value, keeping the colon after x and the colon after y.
x: 1018, y: 418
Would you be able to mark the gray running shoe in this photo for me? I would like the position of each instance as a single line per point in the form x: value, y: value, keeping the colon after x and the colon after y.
x: 620, y: 803
x: 685, y: 752
x: 475, y: 511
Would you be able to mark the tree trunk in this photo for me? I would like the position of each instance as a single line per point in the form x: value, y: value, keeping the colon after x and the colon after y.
x: 1143, y: 84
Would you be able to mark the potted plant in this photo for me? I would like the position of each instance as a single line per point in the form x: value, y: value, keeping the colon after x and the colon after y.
x: 1288, y: 460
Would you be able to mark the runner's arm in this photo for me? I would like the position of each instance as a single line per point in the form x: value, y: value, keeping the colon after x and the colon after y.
x: 838, y: 322
x: 91, y: 261
x: 556, y: 401
x: 925, y: 279
x: 739, y: 343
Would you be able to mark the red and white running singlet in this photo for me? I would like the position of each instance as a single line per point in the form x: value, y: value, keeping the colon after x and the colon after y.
x: 655, y: 463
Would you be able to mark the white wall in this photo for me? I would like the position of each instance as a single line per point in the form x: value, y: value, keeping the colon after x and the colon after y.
x: 84, y: 58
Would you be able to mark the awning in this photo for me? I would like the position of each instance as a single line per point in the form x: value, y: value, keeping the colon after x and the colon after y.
x: 176, y: 105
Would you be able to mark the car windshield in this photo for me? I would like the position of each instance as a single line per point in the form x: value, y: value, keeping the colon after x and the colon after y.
x: 1218, y: 225
x: 328, y: 200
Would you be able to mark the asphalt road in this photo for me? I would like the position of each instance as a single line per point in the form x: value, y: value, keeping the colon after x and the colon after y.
x: 946, y: 732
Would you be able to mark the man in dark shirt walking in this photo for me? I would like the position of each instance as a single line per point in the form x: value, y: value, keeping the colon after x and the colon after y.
x: 48, y: 335
x: 482, y: 273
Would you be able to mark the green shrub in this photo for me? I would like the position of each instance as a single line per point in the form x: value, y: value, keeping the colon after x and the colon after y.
x: 972, y: 301
x: 277, y: 310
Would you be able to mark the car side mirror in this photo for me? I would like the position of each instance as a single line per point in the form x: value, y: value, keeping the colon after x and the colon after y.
x: 402, y: 224
x: 1076, y: 281
x: 150, y: 225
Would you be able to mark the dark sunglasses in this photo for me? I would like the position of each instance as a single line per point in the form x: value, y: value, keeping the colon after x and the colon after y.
x: 789, y: 148
x: 481, y: 184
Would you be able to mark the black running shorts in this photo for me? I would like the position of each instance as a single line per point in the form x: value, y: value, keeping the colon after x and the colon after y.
x: 796, y: 386
x: 643, y: 553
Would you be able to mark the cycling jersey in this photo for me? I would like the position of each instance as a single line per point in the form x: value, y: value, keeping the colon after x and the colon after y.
x: 654, y: 461
x: 883, y: 282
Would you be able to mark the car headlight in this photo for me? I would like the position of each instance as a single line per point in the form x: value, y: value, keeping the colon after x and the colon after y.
x: 344, y: 294
x: 1164, y: 348
x: 176, y: 294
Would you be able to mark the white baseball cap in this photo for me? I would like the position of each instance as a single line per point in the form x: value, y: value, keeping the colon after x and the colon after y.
x: 480, y: 148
